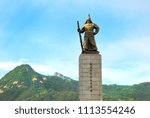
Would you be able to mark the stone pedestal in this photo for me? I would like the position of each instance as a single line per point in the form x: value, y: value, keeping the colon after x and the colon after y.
x: 90, y: 77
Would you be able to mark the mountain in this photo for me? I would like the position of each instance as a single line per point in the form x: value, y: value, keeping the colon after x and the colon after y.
x: 137, y: 92
x: 62, y: 76
x: 24, y: 83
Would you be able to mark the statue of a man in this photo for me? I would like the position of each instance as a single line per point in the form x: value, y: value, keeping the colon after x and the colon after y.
x: 89, y: 29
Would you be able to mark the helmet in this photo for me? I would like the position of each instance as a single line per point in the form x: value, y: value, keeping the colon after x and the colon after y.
x: 88, y: 19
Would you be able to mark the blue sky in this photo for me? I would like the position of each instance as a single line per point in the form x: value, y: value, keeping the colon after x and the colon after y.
x: 43, y: 33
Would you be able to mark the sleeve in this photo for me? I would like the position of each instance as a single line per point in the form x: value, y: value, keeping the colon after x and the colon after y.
x: 96, y: 28
x: 82, y: 30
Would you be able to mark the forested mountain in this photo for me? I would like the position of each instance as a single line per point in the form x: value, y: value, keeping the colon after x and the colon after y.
x: 138, y: 92
x: 23, y: 83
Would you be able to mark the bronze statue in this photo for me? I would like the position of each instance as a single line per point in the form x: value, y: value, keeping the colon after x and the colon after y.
x: 89, y: 29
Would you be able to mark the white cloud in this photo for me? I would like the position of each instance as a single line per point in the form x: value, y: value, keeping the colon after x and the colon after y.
x: 139, y: 46
x: 127, y: 61
x: 127, y: 50
x: 124, y: 62
x: 9, y: 65
x: 40, y: 2
x: 138, y: 5
x: 65, y: 68
x: 118, y: 5
x: 128, y: 57
x: 130, y: 76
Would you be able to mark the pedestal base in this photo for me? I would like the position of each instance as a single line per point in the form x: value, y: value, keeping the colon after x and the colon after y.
x: 90, y: 77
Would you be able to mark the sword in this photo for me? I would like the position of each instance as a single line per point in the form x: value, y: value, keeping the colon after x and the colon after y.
x: 80, y: 36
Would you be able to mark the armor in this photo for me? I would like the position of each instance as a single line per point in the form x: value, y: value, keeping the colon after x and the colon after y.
x: 89, y: 29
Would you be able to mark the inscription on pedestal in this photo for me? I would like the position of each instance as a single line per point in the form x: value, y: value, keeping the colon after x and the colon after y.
x: 90, y: 77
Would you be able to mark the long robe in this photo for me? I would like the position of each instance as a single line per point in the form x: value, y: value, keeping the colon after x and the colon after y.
x: 90, y: 30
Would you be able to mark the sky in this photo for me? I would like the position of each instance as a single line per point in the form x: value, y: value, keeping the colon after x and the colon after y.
x: 43, y: 34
